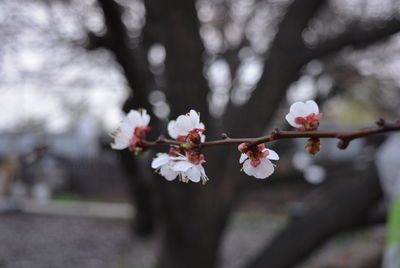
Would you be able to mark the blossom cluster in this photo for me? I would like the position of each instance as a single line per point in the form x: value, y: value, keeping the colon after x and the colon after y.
x: 184, y: 160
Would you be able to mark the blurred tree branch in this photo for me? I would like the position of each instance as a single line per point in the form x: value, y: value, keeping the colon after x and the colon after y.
x: 355, y: 36
x: 337, y: 209
x: 281, y: 68
x: 134, y: 65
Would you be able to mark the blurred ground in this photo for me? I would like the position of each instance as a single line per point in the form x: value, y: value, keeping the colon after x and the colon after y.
x: 60, y: 241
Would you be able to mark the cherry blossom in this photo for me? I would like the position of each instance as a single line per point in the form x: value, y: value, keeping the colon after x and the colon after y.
x: 190, y: 169
x: 187, y: 128
x: 256, y: 161
x: 187, y: 167
x: 164, y: 164
x: 132, y: 130
x: 304, y: 115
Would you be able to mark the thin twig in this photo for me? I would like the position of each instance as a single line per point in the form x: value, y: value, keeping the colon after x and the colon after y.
x: 344, y: 136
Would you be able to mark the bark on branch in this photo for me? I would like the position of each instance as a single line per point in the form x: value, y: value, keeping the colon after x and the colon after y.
x: 344, y: 136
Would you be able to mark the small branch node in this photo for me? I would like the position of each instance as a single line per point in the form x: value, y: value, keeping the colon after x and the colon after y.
x: 224, y: 136
x: 343, y: 144
x: 274, y: 134
x: 160, y: 139
x: 381, y: 122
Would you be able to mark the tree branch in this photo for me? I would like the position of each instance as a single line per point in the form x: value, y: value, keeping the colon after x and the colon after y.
x: 355, y: 37
x: 344, y: 136
x: 135, y: 68
x: 335, y: 210
x: 281, y: 68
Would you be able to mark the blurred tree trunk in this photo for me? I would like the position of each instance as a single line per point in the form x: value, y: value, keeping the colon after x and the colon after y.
x: 194, y: 216
x: 138, y: 77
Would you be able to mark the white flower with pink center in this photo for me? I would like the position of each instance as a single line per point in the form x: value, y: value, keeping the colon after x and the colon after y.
x: 187, y: 167
x: 256, y: 162
x: 190, y: 167
x: 187, y: 127
x: 131, y: 130
x: 304, y: 115
x: 164, y: 164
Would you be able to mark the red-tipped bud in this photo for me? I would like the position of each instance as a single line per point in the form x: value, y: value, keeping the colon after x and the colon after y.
x: 243, y: 147
x: 313, y: 145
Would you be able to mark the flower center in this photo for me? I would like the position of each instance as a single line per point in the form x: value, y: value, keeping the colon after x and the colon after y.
x: 192, y: 137
x: 254, y: 153
x: 195, y: 157
x: 138, y: 134
x: 173, y: 151
x: 310, y: 122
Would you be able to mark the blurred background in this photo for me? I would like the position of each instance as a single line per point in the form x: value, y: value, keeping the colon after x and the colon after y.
x: 69, y: 69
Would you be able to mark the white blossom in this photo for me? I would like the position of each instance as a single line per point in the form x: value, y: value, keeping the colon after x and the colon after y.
x: 303, y: 112
x: 184, y: 124
x: 180, y: 166
x: 164, y: 164
x: 133, y: 121
x: 262, y: 167
x: 189, y: 171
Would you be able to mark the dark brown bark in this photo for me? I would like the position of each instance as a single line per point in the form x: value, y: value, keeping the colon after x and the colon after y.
x: 139, y: 78
x: 186, y: 86
x: 345, y: 136
x: 193, y: 218
x: 340, y: 208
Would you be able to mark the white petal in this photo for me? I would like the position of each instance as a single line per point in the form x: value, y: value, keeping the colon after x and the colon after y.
x: 202, y: 171
x: 298, y: 109
x: 263, y: 170
x: 167, y: 172
x: 133, y: 118
x: 312, y: 107
x: 127, y: 127
x: 272, y: 155
x: 193, y: 174
x: 145, y: 118
x: 194, y: 118
x: 179, y: 158
x: 202, y: 137
x: 248, y: 168
x: 120, y: 142
x: 172, y: 129
x: 182, y: 166
x: 118, y: 145
x: 242, y: 158
x: 160, y: 160
x: 291, y: 120
x: 181, y: 126
x: 184, y: 125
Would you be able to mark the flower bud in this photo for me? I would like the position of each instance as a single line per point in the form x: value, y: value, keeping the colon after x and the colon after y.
x: 186, y: 145
x: 243, y: 147
x: 138, y: 151
x: 342, y: 144
x: 313, y: 145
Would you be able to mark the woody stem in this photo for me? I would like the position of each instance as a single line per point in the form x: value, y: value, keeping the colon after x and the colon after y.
x: 343, y: 136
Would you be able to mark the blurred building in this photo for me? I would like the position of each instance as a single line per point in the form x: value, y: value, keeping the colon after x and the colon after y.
x: 73, y: 161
